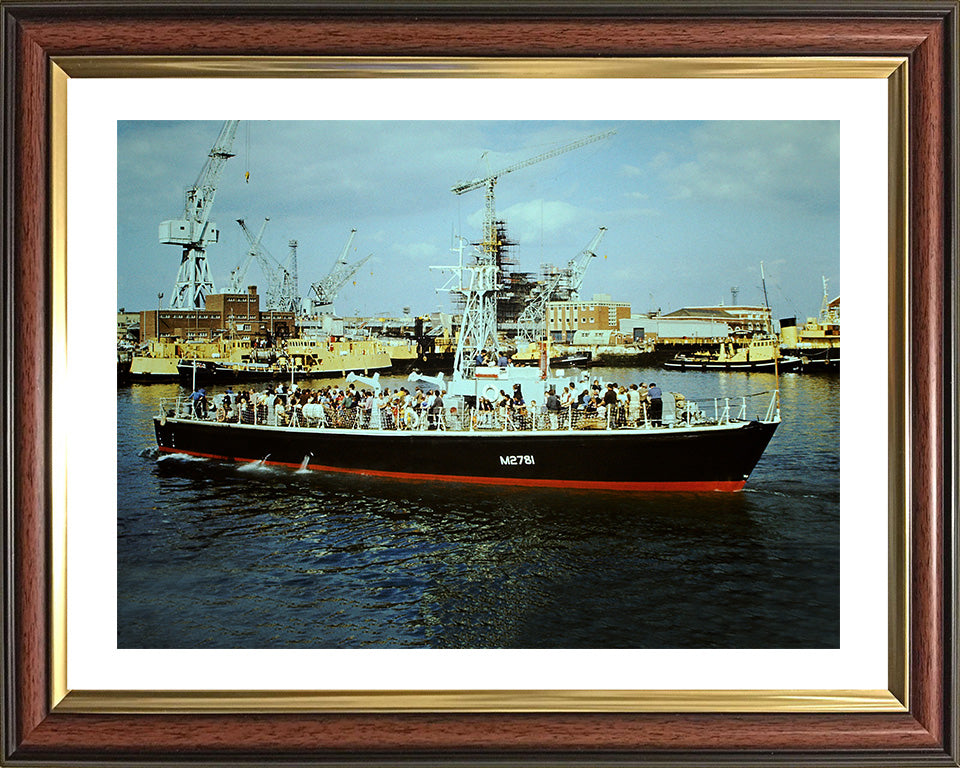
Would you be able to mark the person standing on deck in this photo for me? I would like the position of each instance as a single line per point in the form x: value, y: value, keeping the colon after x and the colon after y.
x: 655, y: 394
x: 199, y: 398
x: 553, y: 408
x: 610, y: 405
x: 633, y: 405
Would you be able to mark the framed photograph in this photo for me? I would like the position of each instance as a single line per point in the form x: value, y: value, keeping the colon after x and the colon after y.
x: 811, y: 620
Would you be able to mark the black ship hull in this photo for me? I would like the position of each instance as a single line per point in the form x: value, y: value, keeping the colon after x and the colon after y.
x: 681, y: 363
x: 149, y: 378
x: 206, y: 372
x: 816, y: 360
x: 572, y: 360
x: 567, y: 361
x: 426, y: 361
x: 701, y: 458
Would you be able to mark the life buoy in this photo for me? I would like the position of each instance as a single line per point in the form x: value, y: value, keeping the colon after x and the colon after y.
x: 221, y: 414
x: 312, y: 411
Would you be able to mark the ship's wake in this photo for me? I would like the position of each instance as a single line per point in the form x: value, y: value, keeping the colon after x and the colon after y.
x: 257, y: 466
x: 303, y: 465
x: 179, y: 457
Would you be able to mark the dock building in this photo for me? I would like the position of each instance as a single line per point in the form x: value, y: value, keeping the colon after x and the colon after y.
x: 222, y: 312
x: 699, y: 323
x: 566, y: 318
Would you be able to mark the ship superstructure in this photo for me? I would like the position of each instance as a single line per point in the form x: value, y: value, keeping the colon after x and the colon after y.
x: 817, y: 342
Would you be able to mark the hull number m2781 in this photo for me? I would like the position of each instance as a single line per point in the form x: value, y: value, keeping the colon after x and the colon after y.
x: 517, y: 459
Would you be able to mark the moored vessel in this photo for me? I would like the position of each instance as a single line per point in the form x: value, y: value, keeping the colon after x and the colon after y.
x: 300, y: 359
x: 816, y: 343
x: 759, y: 353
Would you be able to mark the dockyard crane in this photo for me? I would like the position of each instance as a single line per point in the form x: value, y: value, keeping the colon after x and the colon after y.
x: 282, y: 293
x: 571, y: 278
x: 479, y: 326
x: 195, y: 231
x: 562, y: 285
x: 327, y: 288
x: 238, y: 275
x: 490, y: 180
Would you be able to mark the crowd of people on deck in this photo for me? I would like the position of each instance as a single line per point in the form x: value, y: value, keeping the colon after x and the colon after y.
x: 611, y: 405
x: 608, y: 405
x: 332, y: 406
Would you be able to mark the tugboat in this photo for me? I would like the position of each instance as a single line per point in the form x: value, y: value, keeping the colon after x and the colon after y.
x: 758, y: 353
x: 474, y: 435
x: 574, y: 359
x: 817, y: 342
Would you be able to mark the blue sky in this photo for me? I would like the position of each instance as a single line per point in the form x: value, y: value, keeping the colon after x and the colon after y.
x: 691, y: 208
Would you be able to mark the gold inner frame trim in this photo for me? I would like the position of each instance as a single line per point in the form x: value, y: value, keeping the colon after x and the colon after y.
x: 416, y: 66
x: 59, y: 381
x: 234, y: 702
x: 895, y: 699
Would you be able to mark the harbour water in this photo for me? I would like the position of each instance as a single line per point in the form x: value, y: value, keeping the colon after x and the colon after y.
x: 217, y: 555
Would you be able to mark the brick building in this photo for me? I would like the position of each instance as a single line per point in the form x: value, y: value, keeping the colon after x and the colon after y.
x: 565, y: 318
x: 237, y: 312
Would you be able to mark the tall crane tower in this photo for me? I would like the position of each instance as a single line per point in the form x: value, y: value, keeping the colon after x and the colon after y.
x: 560, y: 285
x: 282, y: 293
x: 195, y: 231
x: 288, y: 299
x: 479, y: 325
x: 327, y: 288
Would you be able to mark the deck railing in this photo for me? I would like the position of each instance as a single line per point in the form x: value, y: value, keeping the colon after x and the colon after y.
x: 685, y: 413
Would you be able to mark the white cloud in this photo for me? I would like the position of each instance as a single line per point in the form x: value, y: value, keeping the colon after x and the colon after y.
x: 774, y: 163
x: 420, y: 251
x: 550, y: 217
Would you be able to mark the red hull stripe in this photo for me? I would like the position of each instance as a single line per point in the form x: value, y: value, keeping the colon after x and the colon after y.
x: 683, y: 485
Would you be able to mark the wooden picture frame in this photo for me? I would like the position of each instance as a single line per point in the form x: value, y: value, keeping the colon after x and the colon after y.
x: 40, y: 727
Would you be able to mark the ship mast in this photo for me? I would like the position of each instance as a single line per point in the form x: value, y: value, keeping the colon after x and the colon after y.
x: 478, y: 286
x: 766, y: 304
x: 825, y: 303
